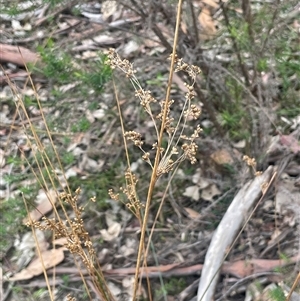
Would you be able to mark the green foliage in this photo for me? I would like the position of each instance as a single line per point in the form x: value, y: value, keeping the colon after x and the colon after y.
x: 17, y: 289
x: 14, y: 160
x: 277, y: 294
x: 29, y: 101
x: 239, y: 31
x: 93, y: 105
x: 233, y: 114
x: 230, y: 119
x: 284, y: 257
x: 258, y: 286
x: 84, y: 80
x: 12, y: 213
x: 63, y: 68
x: 40, y: 292
x: 97, y: 75
x: 14, y: 178
x: 235, y: 90
x: 27, y: 190
x: 11, y: 10
x: 262, y: 64
x: 172, y: 286
x: 264, y: 50
x: 262, y: 19
x: 67, y: 158
x: 57, y: 65
x: 82, y: 126
x: 66, y: 140
x: 286, y: 68
x: 233, y: 120
x: 66, y: 279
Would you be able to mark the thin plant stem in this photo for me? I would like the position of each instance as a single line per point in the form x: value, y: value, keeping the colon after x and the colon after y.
x: 157, y: 156
x: 38, y: 250
x: 297, y: 280
x: 125, y: 145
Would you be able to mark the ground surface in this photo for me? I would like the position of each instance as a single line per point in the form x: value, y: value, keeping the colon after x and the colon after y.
x: 249, y: 94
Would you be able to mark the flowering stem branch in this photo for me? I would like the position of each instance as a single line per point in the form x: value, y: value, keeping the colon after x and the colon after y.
x: 154, y: 175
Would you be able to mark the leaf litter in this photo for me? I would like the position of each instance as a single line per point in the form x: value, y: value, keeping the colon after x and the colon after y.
x: 203, y: 189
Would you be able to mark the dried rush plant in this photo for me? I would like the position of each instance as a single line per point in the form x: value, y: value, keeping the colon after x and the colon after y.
x: 170, y: 131
x: 50, y: 176
x: 179, y: 147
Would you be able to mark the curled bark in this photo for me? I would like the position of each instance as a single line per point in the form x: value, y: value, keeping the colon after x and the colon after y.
x: 225, y: 235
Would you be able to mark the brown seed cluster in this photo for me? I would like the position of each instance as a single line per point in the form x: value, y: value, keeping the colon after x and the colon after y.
x: 194, y: 112
x: 135, y: 137
x: 78, y: 239
x: 252, y: 163
x: 180, y: 146
x: 191, y: 70
x: 115, y: 61
x: 70, y: 298
x: 146, y: 99
x: 132, y: 202
x: 190, y: 151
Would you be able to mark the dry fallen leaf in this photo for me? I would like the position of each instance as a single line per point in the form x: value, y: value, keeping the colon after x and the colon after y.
x: 183, y: 27
x: 50, y: 259
x: 99, y: 114
x: 60, y: 241
x: 210, y: 192
x: 296, y: 122
x: 207, y: 23
x: 46, y: 202
x: 128, y: 285
x: 192, y: 192
x: 203, y: 183
x: 128, y: 248
x: 104, y: 39
x: 114, y: 289
x: 112, y: 232
x: 130, y: 48
x: 26, y: 246
x: 192, y: 213
x: 108, y: 8
x: 221, y: 157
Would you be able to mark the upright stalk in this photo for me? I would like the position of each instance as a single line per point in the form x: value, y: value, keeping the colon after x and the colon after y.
x: 157, y: 156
